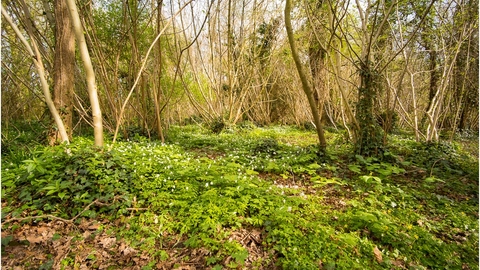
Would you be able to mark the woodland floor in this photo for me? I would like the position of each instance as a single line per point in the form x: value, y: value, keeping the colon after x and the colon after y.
x: 374, y: 214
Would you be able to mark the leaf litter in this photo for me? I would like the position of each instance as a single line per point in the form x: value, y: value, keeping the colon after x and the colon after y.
x: 88, y: 246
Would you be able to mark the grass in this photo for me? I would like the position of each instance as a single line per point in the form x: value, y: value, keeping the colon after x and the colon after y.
x: 249, y: 197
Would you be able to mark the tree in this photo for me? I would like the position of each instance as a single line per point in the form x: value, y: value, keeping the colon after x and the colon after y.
x: 90, y: 74
x: 305, y: 85
x: 64, y: 67
x: 455, y: 32
x: 37, y: 60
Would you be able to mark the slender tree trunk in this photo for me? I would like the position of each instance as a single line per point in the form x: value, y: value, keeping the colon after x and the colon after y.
x: 317, y: 56
x: 90, y: 74
x: 157, y: 92
x: 434, y: 78
x: 37, y: 60
x: 305, y: 85
x: 64, y: 65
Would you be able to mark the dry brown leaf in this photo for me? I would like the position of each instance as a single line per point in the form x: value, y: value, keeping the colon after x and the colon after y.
x: 420, y: 222
x: 128, y: 251
x: 86, y: 234
x: 378, y: 254
x: 108, y: 242
x: 94, y: 226
x: 83, y: 224
x: 40, y: 256
x: 398, y: 263
x: 34, y: 239
x: 42, y: 229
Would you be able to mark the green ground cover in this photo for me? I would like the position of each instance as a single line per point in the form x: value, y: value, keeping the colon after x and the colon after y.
x: 247, y: 198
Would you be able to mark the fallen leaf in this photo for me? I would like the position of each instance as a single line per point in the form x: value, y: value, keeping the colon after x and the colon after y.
x: 378, y: 254
x: 128, y: 251
x: 33, y: 239
x: 108, y: 242
x: 94, y: 226
x: 83, y: 224
x: 86, y: 234
x: 398, y: 263
x: 43, y: 229
x: 420, y: 222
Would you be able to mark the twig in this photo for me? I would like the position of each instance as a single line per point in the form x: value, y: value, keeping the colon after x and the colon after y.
x: 41, y: 216
x: 96, y: 202
x: 434, y: 163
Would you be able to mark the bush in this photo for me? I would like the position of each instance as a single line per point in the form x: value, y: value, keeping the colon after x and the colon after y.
x: 266, y: 145
x: 217, y: 125
x: 387, y: 124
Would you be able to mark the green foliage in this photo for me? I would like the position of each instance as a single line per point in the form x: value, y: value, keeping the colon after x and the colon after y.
x: 201, y: 189
x: 64, y: 179
x: 20, y: 139
x: 267, y: 145
x: 387, y: 120
x: 369, y: 140
x: 217, y: 125
x: 309, y: 126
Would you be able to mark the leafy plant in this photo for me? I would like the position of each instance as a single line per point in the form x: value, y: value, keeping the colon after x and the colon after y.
x: 201, y: 190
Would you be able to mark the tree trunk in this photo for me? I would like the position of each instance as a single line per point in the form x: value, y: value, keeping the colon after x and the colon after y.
x: 64, y: 65
x: 369, y: 138
x: 90, y: 74
x: 37, y: 60
x: 157, y: 91
x: 434, y: 78
x: 306, y: 87
x: 317, y: 56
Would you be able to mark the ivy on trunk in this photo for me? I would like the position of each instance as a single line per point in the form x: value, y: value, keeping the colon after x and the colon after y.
x: 369, y: 140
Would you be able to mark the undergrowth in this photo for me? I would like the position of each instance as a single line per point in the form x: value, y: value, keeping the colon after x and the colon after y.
x: 417, y: 208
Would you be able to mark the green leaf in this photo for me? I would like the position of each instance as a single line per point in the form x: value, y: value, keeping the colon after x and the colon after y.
x: 56, y: 236
x: 349, y: 239
x: 51, y: 192
x: 314, y: 166
x: 6, y: 240
x: 360, y: 158
x: 354, y: 168
x: 240, y: 256
x: 322, y: 181
x: 371, y: 179
x: 212, y: 260
x: 432, y: 179
x: 61, y: 195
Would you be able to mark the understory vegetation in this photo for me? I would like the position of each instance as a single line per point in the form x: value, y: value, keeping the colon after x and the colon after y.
x: 247, y: 198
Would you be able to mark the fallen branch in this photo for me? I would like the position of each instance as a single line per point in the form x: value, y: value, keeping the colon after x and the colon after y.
x: 96, y: 202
